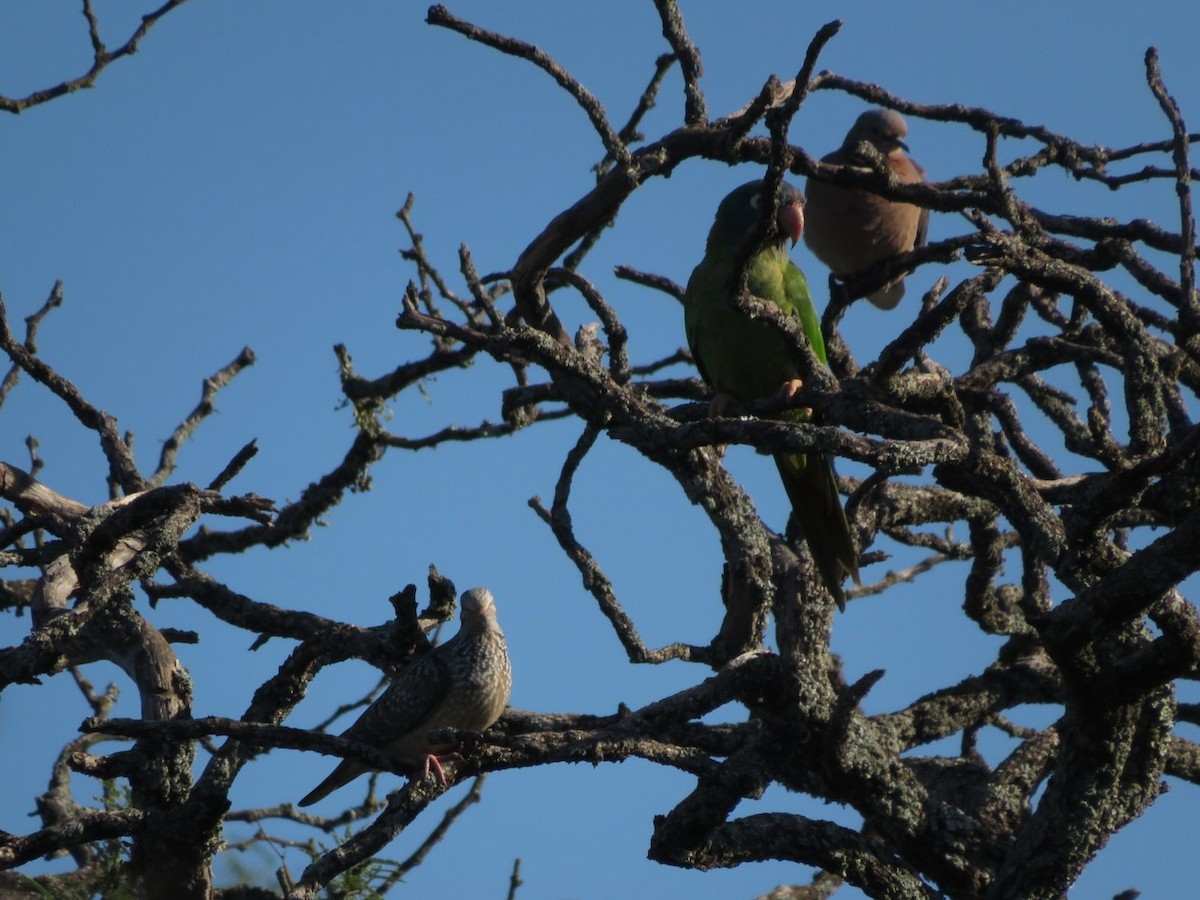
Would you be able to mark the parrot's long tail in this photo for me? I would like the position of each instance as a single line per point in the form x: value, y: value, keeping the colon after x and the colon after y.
x: 817, y: 509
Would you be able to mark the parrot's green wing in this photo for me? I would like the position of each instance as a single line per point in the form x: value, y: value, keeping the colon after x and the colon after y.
x: 808, y: 478
x: 798, y: 302
x: 751, y: 358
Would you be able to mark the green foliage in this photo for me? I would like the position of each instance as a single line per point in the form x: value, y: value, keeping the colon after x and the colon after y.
x: 371, y: 879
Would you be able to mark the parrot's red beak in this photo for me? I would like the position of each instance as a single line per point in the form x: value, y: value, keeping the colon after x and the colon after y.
x: 791, y: 220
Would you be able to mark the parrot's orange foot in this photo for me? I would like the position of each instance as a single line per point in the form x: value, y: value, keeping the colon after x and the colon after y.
x: 789, y: 389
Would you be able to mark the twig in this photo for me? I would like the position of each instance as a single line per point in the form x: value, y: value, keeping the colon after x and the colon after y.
x: 1183, y: 190
x: 206, y: 407
x: 470, y: 798
x: 101, y: 58
x: 122, y: 470
x: 647, y: 279
x: 613, y: 145
x: 695, y: 111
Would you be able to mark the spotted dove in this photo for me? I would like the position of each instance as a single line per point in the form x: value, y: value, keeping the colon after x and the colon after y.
x: 462, y: 684
x: 850, y: 229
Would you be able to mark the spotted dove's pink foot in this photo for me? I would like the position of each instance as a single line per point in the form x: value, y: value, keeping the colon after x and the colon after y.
x: 432, y: 762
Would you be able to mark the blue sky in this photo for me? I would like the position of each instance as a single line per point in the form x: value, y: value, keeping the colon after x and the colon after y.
x: 235, y: 184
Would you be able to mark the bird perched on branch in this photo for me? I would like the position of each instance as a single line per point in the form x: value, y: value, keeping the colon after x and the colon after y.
x: 747, y: 359
x: 851, y: 229
x: 462, y: 684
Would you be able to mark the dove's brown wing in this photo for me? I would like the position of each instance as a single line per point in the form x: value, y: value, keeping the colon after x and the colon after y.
x: 396, y: 718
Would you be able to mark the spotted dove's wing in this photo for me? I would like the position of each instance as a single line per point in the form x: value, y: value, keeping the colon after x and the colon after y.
x: 410, y: 700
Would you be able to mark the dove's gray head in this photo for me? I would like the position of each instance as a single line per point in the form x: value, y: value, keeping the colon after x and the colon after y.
x: 883, y: 129
x: 478, y: 606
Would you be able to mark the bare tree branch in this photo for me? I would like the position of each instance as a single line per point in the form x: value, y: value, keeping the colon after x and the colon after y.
x: 102, y: 57
x: 1052, y: 463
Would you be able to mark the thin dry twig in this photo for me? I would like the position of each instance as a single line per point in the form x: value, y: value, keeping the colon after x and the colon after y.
x: 102, y: 57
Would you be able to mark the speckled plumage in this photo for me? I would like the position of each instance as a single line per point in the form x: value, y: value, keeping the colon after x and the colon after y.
x: 850, y: 229
x: 463, y: 684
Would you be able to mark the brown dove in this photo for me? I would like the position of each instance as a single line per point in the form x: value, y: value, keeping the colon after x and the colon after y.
x: 462, y: 684
x: 850, y: 229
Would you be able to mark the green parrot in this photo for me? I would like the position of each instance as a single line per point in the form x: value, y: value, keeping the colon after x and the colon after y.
x: 748, y: 358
